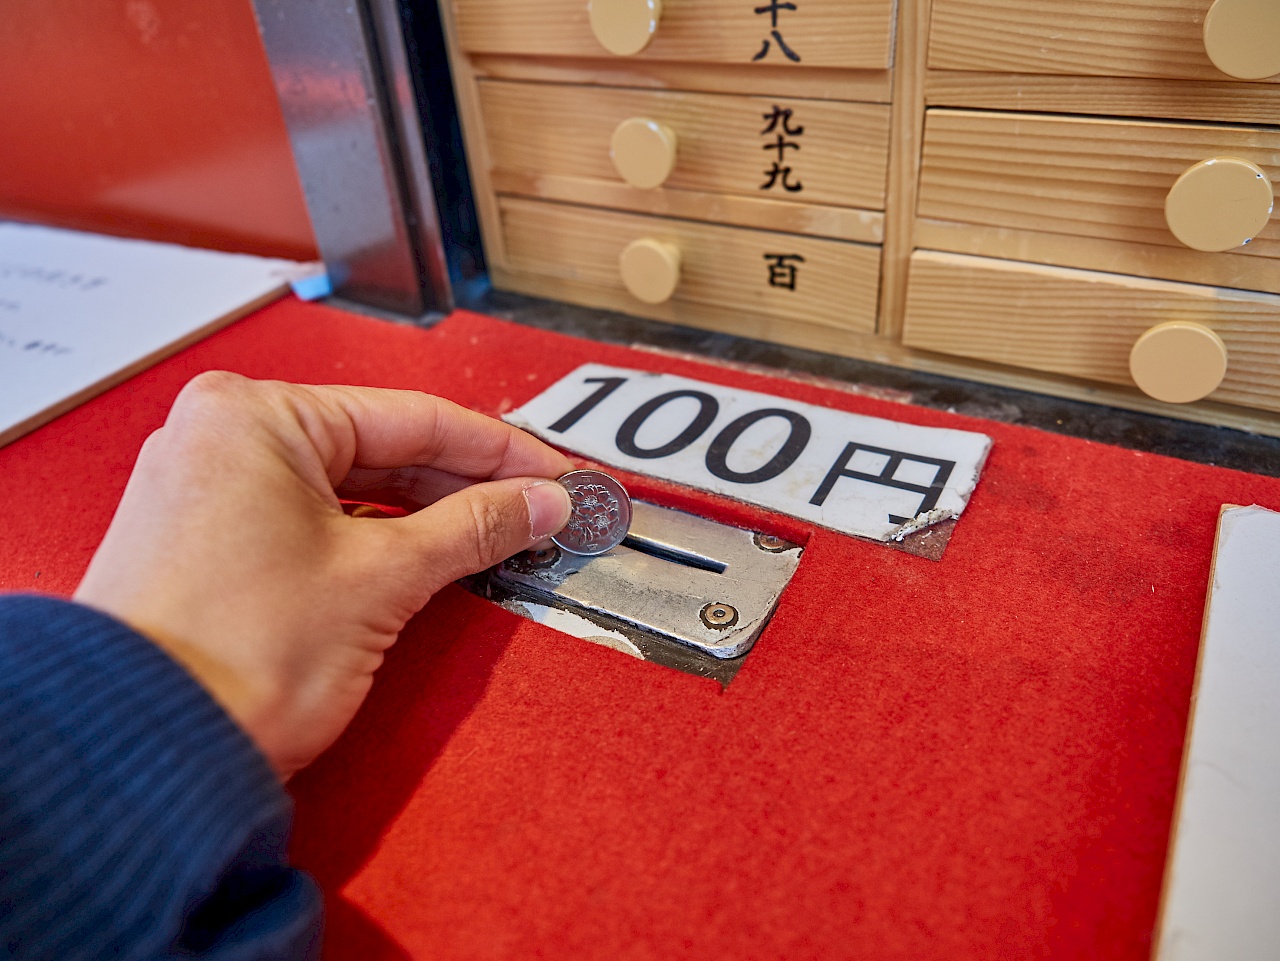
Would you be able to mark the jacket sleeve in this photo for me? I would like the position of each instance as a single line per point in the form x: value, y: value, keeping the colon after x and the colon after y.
x: 137, y: 820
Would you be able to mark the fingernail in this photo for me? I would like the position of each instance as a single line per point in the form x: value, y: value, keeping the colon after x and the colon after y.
x: 549, y: 508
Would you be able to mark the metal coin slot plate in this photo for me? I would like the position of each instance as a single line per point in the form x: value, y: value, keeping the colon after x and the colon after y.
x: 663, y: 577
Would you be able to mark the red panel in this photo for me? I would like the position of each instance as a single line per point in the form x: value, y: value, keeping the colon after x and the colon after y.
x: 147, y: 118
x: 974, y: 758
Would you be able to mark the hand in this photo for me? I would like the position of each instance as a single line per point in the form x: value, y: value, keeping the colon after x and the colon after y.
x: 230, y: 549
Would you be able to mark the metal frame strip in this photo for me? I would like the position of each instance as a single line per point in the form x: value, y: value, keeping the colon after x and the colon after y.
x: 347, y: 93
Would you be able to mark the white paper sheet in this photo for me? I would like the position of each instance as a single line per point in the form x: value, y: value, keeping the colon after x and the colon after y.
x: 81, y: 312
x: 1222, y: 883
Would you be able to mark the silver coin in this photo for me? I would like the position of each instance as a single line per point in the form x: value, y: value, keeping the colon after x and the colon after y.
x: 601, y: 513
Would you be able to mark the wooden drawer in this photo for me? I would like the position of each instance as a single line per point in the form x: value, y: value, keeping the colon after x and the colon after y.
x: 771, y: 154
x: 817, y: 33
x: 1084, y: 177
x: 833, y: 284
x: 1084, y: 323
x: 1136, y: 38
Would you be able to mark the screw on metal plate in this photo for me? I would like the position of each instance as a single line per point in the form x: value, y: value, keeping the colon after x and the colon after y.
x: 529, y: 561
x: 772, y: 543
x: 719, y: 616
x: 659, y: 579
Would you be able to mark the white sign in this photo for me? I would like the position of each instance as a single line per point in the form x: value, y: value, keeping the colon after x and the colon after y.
x: 859, y: 475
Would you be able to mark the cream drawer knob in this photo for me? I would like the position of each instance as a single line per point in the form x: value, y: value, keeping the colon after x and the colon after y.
x: 643, y: 152
x: 1178, y: 361
x: 1219, y: 204
x: 1242, y: 38
x: 650, y: 269
x: 624, y: 27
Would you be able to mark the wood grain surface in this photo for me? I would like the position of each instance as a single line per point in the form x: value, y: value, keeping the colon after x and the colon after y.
x: 1029, y: 169
x: 727, y: 267
x: 904, y: 163
x: 813, y: 83
x: 836, y: 223
x: 1254, y: 103
x: 723, y: 147
x: 1076, y: 175
x: 1084, y: 323
x: 1132, y: 38
x: 1113, y: 256
x: 821, y: 33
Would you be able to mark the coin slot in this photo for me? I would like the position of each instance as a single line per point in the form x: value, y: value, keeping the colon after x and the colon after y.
x: 701, y: 610
x: 669, y: 552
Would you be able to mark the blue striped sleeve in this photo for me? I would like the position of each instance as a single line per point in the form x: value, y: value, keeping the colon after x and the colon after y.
x: 137, y: 821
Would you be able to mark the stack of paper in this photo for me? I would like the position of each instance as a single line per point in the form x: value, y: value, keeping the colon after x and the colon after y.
x: 80, y: 313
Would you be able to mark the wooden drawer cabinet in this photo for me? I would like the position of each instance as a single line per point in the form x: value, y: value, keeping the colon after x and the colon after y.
x: 1069, y: 195
x: 1084, y: 323
x: 747, y: 160
x: 1090, y: 177
x: 1135, y: 38
x: 849, y: 34
x: 829, y: 283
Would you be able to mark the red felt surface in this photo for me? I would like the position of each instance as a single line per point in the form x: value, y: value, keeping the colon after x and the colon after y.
x: 971, y: 758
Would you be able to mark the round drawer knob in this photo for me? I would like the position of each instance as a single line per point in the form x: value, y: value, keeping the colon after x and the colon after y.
x: 1242, y: 38
x: 624, y: 27
x: 1219, y: 204
x: 643, y: 151
x: 650, y: 269
x: 1178, y: 361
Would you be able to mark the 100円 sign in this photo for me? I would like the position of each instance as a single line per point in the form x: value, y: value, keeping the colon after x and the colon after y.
x: 859, y: 475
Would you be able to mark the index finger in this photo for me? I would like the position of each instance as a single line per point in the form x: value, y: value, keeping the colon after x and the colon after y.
x: 370, y: 427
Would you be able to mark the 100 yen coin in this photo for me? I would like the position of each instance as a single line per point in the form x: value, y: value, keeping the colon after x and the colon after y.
x: 601, y: 513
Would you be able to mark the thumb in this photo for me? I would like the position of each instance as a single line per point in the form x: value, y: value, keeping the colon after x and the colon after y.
x: 480, y: 525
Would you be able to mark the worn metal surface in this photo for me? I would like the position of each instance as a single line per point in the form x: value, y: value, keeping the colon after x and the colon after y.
x: 664, y: 578
x: 344, y: 85
x: 406, y: 126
